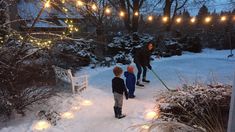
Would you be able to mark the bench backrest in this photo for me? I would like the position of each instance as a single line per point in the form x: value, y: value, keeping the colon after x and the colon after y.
x: 63, y: 74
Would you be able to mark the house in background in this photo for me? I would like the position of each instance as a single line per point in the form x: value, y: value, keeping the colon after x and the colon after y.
x: 52, y: 19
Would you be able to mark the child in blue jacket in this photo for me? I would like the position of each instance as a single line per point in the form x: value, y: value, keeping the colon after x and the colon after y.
x: 130, y: 81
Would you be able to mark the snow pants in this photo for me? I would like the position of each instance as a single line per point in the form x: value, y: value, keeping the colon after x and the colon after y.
x: 118, y: 100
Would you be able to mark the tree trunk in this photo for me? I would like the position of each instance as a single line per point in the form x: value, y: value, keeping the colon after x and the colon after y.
x: 126, y: 18
x: 135, y: 18
x: 167, y: 13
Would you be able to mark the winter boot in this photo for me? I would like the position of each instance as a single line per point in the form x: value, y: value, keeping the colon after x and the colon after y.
x: 138, y: 84
x: 131, y: 96
x: 120, y: 115
x: 144, y: 80
x: 115, y: 111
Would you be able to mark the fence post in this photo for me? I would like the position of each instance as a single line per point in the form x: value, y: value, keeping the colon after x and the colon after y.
x: 231, y: 125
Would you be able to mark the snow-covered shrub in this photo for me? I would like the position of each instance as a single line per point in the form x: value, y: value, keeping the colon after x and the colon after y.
x: 123, y: 58
x: 73, y: 53
x: 123, y: 47
x: 22, y: 70
x: 126, y: 43
x: 204, y: 107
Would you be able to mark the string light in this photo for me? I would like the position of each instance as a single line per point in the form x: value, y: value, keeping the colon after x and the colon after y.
x: 63, y: 1
x: 165, y: 19
x: 223, y: 18
x: 193, y: 20
x: 94, y: 7
x: 122, y: 14
x: 178, y: 20
x: 80, y: 3
x: 107, y: 11
x: 150, y: 18
x: 136, y: 13
x: 47, y: 4
x: 208, y: 19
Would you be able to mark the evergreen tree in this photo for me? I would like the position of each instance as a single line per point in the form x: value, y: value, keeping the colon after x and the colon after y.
x: 186, y: 14
x: 203, y: 12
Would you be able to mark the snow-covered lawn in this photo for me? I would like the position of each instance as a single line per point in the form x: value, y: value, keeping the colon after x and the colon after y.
x: 98, y: 116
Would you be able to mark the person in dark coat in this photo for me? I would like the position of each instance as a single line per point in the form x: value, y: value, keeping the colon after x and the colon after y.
x: 118, y: 89
x: 130, y: 81
x: 142, y: 61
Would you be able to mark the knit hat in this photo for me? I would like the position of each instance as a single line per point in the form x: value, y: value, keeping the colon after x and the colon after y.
x: 130, y: 69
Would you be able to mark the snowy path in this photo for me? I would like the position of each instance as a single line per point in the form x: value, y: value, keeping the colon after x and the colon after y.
x: 99, y: 116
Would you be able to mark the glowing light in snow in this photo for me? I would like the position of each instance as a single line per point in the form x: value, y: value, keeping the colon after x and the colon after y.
x: 67, y: 115
x: 145, y: 127
x: 122, y: 14
x: 86, y: 103
x: 150, y: 18
x: 165, y: 19
x: 42, y: 125
x: 178, y: 20
x: 76, y: 108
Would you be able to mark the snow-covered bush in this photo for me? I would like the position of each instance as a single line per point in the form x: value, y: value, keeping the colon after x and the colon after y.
x: 73, y: 53
x: 22, y: 71
x: 205, y: 107
x: 122, y: 47
x: 126, y: 43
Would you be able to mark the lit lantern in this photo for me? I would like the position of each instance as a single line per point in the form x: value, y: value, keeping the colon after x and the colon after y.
x: 122, y: 14
x: 193, y: 20
x: 208, y: 19
x: 42, y: 125
x: 165, y: 19
x: 86, y: 103
x: 223, y: 18
x: 178, y: 20
x: 150, y: 18
x: 47, y: 4
x: 67, y: 115
x: 150, y: 115
x: 107, y: 11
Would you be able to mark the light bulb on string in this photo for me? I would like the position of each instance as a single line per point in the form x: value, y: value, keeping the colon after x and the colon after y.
x: 150, y: 18
x: 208, y: 19
x: 223, y: 18
x: 80, y: 3
x: 178, y: 20
x: 122, y: 14
x: 94, y: 7
x: 107, y: 11
x: 136, y: 13
x: 193, y: 20
x: 165, y: 19
x: 47, y: 4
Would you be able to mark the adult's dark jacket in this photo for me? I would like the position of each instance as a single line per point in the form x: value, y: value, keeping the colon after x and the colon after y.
x: 142, y: 56
x: 118, y: 86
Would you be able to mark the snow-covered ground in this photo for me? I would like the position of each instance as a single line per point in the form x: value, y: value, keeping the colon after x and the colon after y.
x: 98, y: 114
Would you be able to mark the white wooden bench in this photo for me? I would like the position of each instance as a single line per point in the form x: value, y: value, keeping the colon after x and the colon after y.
x: 78, y: 84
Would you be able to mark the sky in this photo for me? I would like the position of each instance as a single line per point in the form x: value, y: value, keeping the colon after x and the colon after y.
x: 217, y: 5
